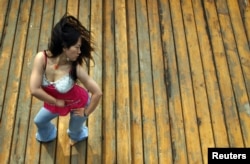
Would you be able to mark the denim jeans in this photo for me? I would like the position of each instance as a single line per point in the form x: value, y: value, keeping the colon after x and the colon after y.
x: 46, y: 131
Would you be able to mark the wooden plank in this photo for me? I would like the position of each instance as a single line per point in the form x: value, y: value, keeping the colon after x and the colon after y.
x: 19, y: 137
x: 84, y: 13
x: 79, y: 153
x: 32, y: 154
x: 160, y: 91
x: 134, y: 80
x: 172, y: 82
x: 33, y: 149
x: 9, y: 84
x: 84, y: 17
x: 94, y: 150
x: 243, y: 45
x: 246, y: 18
x: 6, y: 51
x: 200, y: 95
x: 225, y: 86
x: 63, y: 148
x: 242, y: 7
x: 146, y: 85
x: 122, y: 85
x: 60, y: 10
x: 187, y: 96
x: 240, y: 70
x: 109, y: 96
x: 214, y: 99
x: 73, y: 7
x: 3, y: 15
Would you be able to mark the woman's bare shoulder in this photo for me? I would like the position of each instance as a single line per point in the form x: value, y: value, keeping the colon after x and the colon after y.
x: 39, y: 60
x: 40, y: 56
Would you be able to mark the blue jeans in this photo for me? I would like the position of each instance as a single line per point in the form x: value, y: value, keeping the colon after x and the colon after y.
x: 46, y: 131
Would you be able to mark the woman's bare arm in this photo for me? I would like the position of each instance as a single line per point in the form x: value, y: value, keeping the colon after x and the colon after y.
x: 92, y: 87
x: 36, y: 82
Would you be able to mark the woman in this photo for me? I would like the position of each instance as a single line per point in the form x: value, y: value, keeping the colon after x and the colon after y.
x: 53, y: 81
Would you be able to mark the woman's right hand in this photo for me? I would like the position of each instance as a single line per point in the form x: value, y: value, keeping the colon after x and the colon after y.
x: 60, y: 103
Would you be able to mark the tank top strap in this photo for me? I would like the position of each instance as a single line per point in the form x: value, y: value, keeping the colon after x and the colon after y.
x: 45, y: 58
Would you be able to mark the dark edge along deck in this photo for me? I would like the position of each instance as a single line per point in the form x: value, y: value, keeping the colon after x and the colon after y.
x: 175, y: 76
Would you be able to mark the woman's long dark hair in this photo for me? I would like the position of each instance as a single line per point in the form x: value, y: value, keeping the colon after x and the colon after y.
x: 66, y: 34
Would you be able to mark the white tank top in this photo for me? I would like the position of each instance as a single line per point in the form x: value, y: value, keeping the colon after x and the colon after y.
x: 62, y: 85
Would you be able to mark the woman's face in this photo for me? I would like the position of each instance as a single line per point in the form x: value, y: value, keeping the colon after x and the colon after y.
x: 73, y: 51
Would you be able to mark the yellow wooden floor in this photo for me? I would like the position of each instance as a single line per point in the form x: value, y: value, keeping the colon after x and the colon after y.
x: 175, y: 76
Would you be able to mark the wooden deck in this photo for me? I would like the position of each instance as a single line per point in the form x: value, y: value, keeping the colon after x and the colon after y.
x: 175, y: 76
